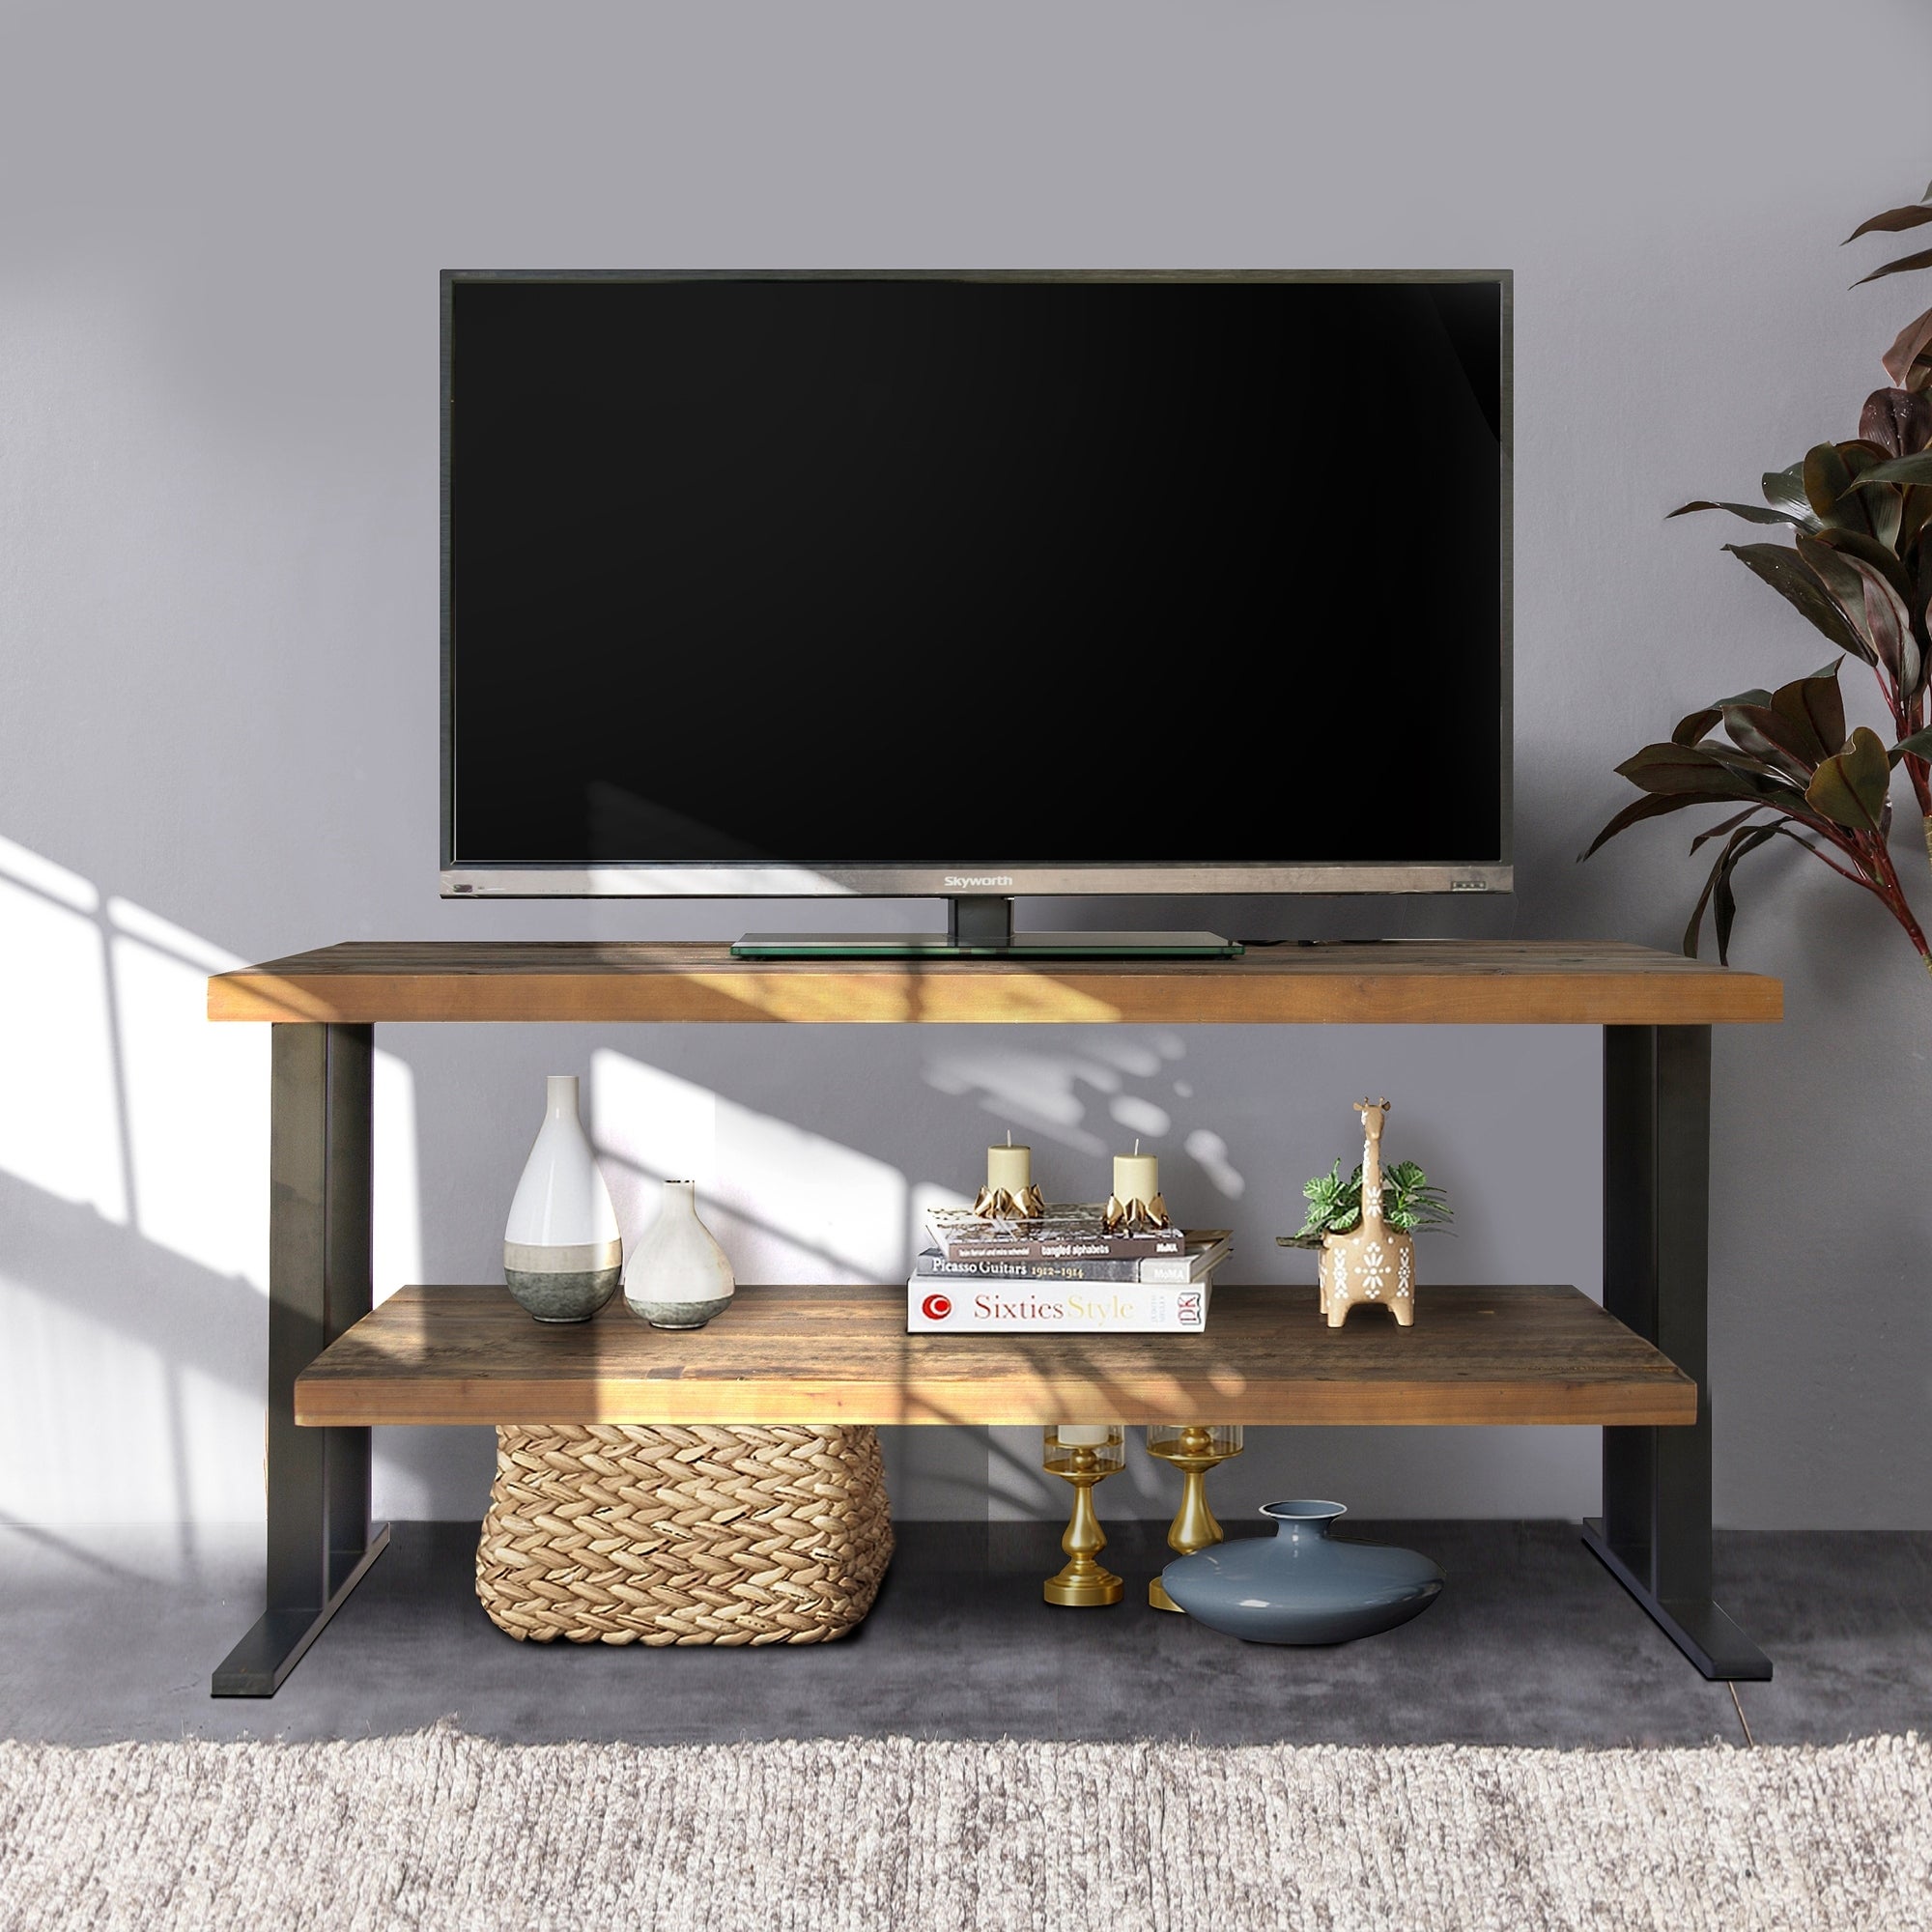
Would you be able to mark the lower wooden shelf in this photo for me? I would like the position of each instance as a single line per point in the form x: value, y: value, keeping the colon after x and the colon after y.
x: 821, y: 1353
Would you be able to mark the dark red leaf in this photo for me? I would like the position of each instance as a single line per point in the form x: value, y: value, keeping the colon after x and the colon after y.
x: 1914, y: 341
x: 1829, y: 470
x: 1893, y: 221
x: 1889, y: 625
x: 1725, y: 904
x: 1897, y: 421
x: 1694, y: 771
x: 1913, y: 468
x: 1853, y: 788
x: 1854, y: 543
x: 1767, y: 734
x: 1749, y: 512
x: 1915, y: 513
x: 1793, y: 579
x: 1918, y: 745
x: 1718, y: 883
x: 1651, y: 805
x: 1827, y: 477
x: 1696, y: 725
x: 1785, y: 489
x: 1903, y: 266
x: 1724, y: 825
x: 1815, y: 706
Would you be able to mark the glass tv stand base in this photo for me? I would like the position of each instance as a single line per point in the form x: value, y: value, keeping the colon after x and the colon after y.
x: 981, y: 926
x: 1017, y: 945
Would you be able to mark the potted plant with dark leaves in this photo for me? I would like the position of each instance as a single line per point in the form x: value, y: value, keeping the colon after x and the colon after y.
x: 1789, y: 764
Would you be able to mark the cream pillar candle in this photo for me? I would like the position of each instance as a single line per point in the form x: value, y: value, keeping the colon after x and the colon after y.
x: 1083, y: 1436
x: 1010, y: 1167
x: 1136, y: 1176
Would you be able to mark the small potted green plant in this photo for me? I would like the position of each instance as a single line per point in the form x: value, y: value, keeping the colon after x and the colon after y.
x: 1365, y: 1227
x: 1410, y: 1201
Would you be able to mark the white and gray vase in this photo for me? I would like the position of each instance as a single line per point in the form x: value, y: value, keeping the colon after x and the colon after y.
x: 676, y: 1276
x: 564, y: 1257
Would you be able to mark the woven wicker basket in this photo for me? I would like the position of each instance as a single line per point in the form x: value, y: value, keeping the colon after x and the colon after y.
x: 617, y: 1534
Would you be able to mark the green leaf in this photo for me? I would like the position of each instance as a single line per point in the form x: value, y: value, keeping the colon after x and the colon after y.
x: 1893, y: 221
x: 1918, y: 745
x: 1749, y: 512
x: 1902, y: 266
x: 1851, y: 787
x: 1697, y: 725
x: 1799, y: 585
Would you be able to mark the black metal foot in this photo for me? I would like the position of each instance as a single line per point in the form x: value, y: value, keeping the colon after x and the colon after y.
x: 1696, y: 1625
x: 256, y: 1666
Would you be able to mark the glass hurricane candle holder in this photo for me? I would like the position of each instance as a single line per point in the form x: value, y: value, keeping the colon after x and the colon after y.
x: 1193, y: 1448
x: 1083, y: 1453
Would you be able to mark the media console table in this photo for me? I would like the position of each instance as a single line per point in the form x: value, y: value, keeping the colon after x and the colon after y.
x: 1636, y: 1366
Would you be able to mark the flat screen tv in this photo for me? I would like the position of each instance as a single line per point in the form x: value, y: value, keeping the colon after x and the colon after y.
x: 976, y: 586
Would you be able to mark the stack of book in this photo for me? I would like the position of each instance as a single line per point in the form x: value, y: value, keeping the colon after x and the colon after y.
x: 1060, y: 1270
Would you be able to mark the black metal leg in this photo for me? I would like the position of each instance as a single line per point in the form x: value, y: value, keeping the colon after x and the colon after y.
x: 320, y: 1540
x: 1655, y: 1532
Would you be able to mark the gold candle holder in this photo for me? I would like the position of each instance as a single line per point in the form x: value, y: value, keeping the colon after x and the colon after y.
x: 1193, y: 1448
x: 1083, y: 1455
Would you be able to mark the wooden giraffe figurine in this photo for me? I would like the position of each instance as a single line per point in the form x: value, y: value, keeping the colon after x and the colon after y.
x: 1375, y: 1263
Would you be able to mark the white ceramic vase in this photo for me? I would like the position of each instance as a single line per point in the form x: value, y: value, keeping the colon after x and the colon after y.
x: 676, y: 1276
x: 562, y: 1253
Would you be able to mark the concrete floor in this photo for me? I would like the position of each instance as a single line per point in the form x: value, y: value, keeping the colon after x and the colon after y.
x: 1531, y: 1642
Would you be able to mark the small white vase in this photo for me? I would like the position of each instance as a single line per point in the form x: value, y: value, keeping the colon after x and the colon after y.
x: 676, y: 1276
x: 562, y: 1253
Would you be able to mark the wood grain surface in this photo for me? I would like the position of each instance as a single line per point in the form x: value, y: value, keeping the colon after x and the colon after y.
x: 1477, y: 981
x: 823, y: 1354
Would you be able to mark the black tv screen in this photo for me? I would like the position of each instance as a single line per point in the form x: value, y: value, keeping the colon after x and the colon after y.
x: 1081, y: 581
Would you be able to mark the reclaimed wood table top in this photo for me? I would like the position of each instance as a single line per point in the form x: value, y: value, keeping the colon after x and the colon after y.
x: 1483, y: 981
x: 822, y: 1354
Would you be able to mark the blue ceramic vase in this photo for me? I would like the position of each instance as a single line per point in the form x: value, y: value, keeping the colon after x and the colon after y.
x: 1299, y: 1585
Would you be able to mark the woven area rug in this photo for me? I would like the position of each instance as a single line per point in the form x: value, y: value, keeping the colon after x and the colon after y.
x: 443, y: 1830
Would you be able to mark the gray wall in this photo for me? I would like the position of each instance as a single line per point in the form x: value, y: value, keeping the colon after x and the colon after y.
x: 219, y: 234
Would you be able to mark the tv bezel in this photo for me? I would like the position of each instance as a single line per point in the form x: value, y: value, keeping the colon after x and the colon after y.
x: 1097, y: 878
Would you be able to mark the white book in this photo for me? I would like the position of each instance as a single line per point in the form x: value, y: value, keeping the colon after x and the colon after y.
x: 1001, y: 1305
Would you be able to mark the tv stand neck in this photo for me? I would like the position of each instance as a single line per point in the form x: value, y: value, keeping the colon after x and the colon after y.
x: 980, y: 922
x: 981, y: 926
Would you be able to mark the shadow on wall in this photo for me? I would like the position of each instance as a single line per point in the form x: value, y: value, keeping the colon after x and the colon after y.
x: 135, y: 1201
x: 791, y: 1204
x: 133, y: 1206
